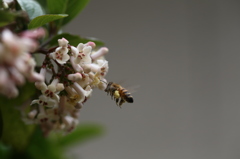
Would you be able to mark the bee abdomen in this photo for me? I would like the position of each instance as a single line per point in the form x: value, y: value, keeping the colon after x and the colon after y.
x: 127, y: 95
x: 129, y: 99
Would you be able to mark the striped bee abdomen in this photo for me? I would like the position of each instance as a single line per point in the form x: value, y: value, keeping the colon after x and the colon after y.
x: 126, y: 95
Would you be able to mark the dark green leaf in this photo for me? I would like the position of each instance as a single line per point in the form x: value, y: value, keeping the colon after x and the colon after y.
x: 1, y: 3
x: 15, y: 132
x: 43, y: 3
x: 4, y: 151
x: 6, y: 18
x: 74, y: 8
x: 57, y: 6
x: 81, y: 134
x: 74, y: 40
x: 41, y: 147
x: 32, y: 7
x: 70, y: 7
x: 1, y: 124
x: 44, y: 19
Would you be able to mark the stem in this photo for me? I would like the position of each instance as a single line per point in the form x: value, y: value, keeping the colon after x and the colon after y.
x: 52, y: 29
x: 1, y: 124
x: 45, y: 43
x: 40, y: 51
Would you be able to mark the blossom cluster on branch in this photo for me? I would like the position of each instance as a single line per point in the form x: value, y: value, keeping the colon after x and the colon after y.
x: 79, y: 70
x: 16, y: 63
x: 75, y: 71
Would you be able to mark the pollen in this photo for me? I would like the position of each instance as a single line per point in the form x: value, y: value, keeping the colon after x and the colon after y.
x: 116, y: 94
x: 96, y: 81
x: 73, y: 99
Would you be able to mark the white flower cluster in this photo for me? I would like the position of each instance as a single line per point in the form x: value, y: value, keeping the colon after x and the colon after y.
x: 16, y: 63
x: 80, y: 69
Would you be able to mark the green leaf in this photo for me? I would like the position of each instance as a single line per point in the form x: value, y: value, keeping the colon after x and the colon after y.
x: 1, y: 124
x: 57, y: 6
x: 32, y: 7
x: 74, y: 8
x: 43, y: 3
x: 81, y: 134
x: 4, y: 151
x: 6, y: 18
x: 70, y: 7
x: 15, y: 132
x: 1, y: 3
x: 74, y: 40
x: 41, y: 147
x: 44, y: 19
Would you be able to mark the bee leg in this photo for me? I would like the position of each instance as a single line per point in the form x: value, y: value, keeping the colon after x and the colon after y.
x: 121, y: 102
x: 117, y: 100
x: 112, y: 93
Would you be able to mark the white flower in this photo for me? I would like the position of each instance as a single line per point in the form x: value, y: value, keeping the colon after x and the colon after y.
x: 60, y: 55
x: 63, y: 42
x: 16, y: 63
x: 75, y: 77
x: 7, y: 85
x: 69, y: 123
x: 32, y: 114
x: 14, y: 46
x: 42, y: 117
x: 76, y: 94
x: 88, y: 91
x: 102, y: 84
x: 9, y: 89
x: 49, y: 97
x: 83, y: 57
x: 86, y: 80
x: 16, y: 76
x: 99, y: 53
x: 25, y: 65
x: 78, y: 105
x: 76, y: 67
x: 45, y: 101
x: 103, y: 64
x: 53, y: 114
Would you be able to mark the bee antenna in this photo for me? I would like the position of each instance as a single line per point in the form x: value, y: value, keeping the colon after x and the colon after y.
x: 104, y: 81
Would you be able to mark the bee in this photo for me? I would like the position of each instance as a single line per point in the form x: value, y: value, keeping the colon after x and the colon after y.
x: 118, y: 93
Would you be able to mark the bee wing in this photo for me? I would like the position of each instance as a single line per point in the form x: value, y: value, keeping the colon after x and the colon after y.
x: 133, y: 89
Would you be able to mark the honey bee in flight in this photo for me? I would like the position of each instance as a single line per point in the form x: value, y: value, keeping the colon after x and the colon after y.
x: 118, y: 93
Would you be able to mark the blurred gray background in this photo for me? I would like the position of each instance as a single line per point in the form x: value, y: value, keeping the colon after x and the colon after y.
x: 185, y: 57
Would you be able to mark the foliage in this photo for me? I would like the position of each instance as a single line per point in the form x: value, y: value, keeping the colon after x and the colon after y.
x: 70, y: 7
x: 44, y: 19
x: 15, y: 132
x: 53, y: 146
x: 6, y: 18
